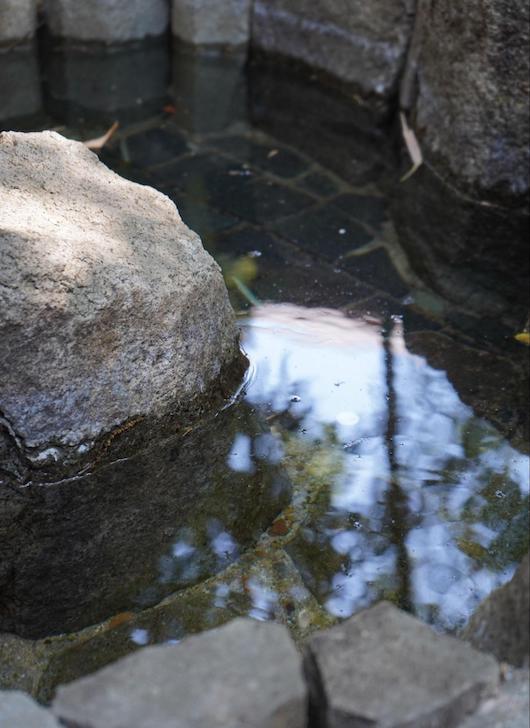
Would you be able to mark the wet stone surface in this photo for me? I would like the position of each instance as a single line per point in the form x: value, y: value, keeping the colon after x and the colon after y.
x: 379, y: 448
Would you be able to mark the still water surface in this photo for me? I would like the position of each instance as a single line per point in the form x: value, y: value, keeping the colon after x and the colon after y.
x: 374, y: 451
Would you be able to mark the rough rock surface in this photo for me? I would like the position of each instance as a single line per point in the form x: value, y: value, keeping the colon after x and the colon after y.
x: 107, y: 21
x: 246, y: 674
x: 500, y: 624
x: 210, y: 22
x: 510, y: 709
x: 78, y: 543
x: 111, y: 312
x: 18, y: 709
x: 385, y: 668
x: 363, y: 44
x: 472, y: 110
x: 18, y: 20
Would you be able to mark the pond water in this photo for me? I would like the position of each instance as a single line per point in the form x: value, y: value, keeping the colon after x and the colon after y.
x: 378, y: 447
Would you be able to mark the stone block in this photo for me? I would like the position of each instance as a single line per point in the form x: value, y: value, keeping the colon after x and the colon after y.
x: 510, y: 709
x: 210, y: 22
x: 471, y: 113
x: 363, y: 44
x: 18, y: 21
x: 244, y: 675
x: 107, y: 21
x: 386, y: 669
x: 18, y: 710
x: 500, y: 624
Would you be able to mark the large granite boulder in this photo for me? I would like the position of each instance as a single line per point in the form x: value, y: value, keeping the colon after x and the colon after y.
x: 472, y: 106
x: 112, y: 315
x: 363, y: 44
x: 107, y: 21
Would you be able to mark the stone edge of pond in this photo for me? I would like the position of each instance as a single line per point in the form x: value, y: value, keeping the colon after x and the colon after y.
x: 381, y: 666
x: 137, y: 434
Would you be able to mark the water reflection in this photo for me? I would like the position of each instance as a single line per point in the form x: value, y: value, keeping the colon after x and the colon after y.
x: 350, y: 472
x: 76, y: 552
x: 100, y: 84
x: 20, y: 87
x: 412, y: 508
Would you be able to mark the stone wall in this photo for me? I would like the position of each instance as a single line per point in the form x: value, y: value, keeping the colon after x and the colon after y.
x: 462, y: 69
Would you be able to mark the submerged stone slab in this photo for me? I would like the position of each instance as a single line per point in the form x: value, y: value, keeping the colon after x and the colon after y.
x: 210, y: 22
x: 362, y: 44
x: 386, y: 669
x: 112, y: 314
x: 500, y: 624
x: 510, y: 709
x: 18, y: 20
x: 246, y: 674
x: 472, y: 107
x: 107, y: 21
x: 18, y: 709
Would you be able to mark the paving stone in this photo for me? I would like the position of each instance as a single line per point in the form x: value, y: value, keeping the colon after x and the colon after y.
x: 376, y: 269
x: 18, y: 710
x: 384, y: 668
x: 370, y: 209
x: 246, y: 674
x: 271, y: 158
x: 204, y: 174
x: 285, y: 274
x: 510, y: 709
x: 200, y: 217
x: 155, y: 146
x: 233, y: 187
x: 500, y: 624
x: 319, y: 184
x: 324, y: 231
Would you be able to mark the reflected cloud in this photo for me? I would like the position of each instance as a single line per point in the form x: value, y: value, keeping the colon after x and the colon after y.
x: 406, y: 513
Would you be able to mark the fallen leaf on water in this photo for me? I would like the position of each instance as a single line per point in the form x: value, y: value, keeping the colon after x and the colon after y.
x: 169, y: 109
x: 99, y: 142
x: 121, y: 618
x: 523, y: 338
x: 413, y: 147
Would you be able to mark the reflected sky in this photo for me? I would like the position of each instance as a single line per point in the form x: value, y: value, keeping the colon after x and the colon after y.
x: 418, y: 513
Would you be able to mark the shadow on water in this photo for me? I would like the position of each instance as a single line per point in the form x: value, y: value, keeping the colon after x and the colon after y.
x: 379, y: 447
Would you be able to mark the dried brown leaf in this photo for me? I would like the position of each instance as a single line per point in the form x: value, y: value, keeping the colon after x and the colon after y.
x: 99, y: 142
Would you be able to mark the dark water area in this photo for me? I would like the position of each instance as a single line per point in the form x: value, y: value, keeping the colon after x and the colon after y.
x: 379, y: 446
